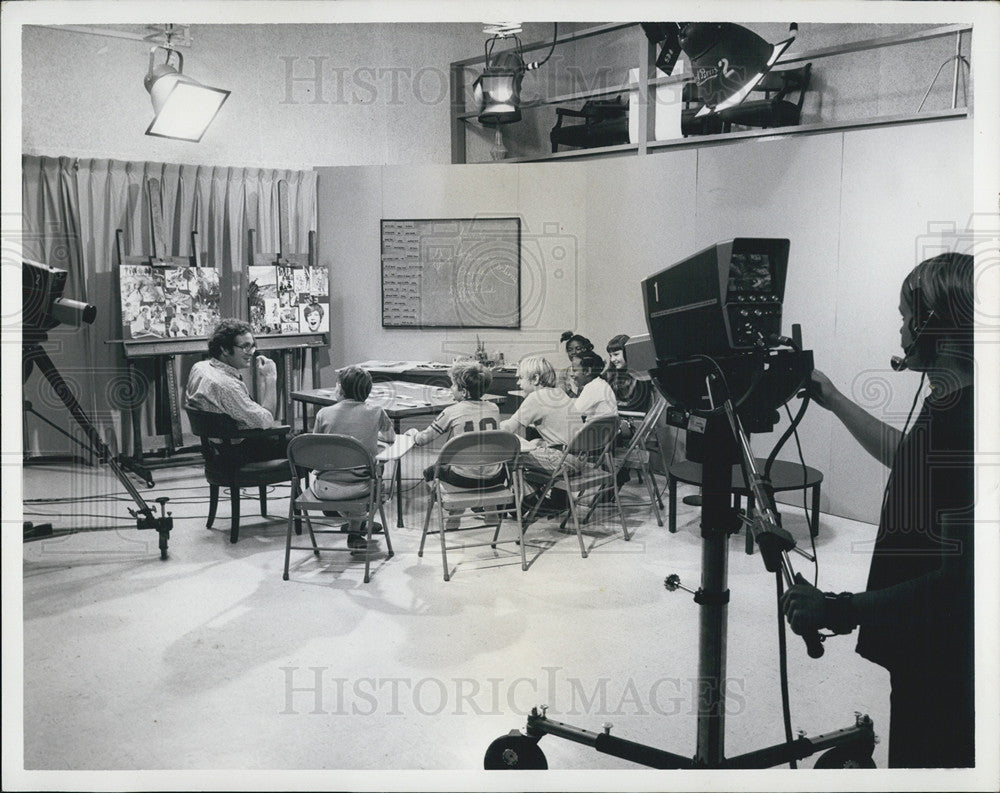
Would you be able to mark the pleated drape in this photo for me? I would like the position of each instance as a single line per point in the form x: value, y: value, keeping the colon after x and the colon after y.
x: 71, y: 211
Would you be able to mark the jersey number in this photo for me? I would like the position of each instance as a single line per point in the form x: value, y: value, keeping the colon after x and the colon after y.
x: 484, y: 424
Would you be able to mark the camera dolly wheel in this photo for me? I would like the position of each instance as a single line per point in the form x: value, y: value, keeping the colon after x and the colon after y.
x: 845, y: 757
x: 514, y: 751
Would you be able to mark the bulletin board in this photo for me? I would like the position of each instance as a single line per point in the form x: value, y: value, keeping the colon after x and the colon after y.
x: 451, y: 273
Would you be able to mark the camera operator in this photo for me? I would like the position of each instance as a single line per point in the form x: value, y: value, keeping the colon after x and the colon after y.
x: 915, y: 616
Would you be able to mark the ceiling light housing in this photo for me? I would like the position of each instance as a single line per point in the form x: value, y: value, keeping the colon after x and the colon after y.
x: 184, y: 107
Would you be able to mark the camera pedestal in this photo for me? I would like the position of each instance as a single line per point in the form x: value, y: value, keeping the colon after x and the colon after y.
x: 725, y: 444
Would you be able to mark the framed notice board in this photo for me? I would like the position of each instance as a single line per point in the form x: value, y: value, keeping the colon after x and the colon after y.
x: 451, y: 273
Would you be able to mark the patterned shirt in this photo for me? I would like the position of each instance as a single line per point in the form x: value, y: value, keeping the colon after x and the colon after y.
x: 216, y: 387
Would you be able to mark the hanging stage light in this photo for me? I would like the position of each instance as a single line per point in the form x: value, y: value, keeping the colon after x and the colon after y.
x: 184, y: 107
x: 497, y: 91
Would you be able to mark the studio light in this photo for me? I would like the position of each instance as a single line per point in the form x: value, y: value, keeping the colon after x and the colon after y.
x: 727, y: 60
x: 497, y: 91
x: 184, y: 107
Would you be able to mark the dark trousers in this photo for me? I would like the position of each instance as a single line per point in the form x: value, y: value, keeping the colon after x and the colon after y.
x: 932, y: 718
x: 256, y: 450
x: 449, y: 477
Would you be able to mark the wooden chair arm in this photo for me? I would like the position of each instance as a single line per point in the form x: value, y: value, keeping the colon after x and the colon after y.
x: 268, y: 432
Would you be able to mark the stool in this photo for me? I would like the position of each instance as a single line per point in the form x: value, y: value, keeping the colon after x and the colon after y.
x: 785, y: 476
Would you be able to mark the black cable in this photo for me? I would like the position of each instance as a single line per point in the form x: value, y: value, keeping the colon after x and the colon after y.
x: 899, y: 443
x: 725, y: 383
x: 36, y: 514
x: 791, y: 428
x: 786, y: 712
x: 536, y: 64
x: 805, y: 504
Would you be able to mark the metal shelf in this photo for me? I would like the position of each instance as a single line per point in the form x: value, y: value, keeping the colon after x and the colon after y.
x: 461, y: 116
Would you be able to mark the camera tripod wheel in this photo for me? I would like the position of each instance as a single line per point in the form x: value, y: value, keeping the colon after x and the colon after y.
x: 851, y: 756
x: 514, y: 752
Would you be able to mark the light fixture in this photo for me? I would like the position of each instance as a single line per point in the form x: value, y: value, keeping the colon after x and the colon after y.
x: 184, y: 107
x: 727, y: 60
x: 497, y: 91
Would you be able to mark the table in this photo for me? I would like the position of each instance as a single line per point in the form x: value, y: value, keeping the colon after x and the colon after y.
x: 399, y: 400
x: 785, y: 476
x: 435, y: 374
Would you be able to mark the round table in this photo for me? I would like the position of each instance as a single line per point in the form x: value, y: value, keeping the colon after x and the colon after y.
x: 785, y: 476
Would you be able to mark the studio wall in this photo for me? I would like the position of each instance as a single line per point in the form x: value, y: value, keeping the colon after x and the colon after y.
x: 859, y: 206
x: 337, y: 94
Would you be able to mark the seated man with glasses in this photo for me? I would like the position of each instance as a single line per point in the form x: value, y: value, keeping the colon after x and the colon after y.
x: 216, y: 386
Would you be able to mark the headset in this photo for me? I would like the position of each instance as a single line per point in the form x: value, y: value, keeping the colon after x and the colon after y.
x: 918, y: 302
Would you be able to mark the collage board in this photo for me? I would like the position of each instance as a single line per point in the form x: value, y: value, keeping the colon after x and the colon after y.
x: 288, y: 299
x: 168, y: 302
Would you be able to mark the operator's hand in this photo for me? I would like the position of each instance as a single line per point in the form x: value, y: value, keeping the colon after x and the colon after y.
x: 804, y: 606
x: 266, y: 368
x: 822, y: 390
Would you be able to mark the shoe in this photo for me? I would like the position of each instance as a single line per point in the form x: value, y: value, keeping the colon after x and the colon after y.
x: 376, y: 528
x: 330, y: 513
x: 356, y: 542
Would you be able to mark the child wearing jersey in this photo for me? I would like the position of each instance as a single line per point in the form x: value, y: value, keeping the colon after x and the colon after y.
x: 470, y: 413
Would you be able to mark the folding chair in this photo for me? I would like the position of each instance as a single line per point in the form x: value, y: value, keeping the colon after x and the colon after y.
x: 334, y: 453
x: 471, y: 449
x: 593, y: 445
x: 636, y: 457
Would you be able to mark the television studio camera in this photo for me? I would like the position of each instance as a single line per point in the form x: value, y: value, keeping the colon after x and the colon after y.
x: 43, y: 309
x: 715, y: 351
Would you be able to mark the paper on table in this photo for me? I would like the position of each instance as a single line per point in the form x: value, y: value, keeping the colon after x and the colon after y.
x: 390, y: 366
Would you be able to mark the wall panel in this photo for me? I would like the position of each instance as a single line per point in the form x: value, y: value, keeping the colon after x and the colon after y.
x: 858, y: 207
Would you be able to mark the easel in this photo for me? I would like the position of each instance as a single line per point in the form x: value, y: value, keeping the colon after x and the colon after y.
x: 163, y: 352
x: 292, y: 347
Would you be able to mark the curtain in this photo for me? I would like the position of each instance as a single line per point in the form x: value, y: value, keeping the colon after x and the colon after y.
x: 71, y: 211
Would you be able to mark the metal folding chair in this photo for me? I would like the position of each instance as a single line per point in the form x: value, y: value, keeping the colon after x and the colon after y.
x: 320, y: 453
x: 592, y: 445
x: 473, y: 449
x: 636, y: 457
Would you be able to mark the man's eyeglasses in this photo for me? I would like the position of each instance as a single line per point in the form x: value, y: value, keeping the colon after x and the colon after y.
x: 250, y: 345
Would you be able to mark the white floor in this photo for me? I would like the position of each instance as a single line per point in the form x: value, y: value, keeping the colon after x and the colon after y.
x: 208, y: 660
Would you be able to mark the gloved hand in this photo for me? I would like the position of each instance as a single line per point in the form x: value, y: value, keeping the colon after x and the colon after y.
x: 807, y: 609
x: 804, y: 606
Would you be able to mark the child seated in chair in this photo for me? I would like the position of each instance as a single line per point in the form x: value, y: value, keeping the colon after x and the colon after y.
x: 596, y: 397
x: 632, y: 393
x: 549, y: 411
x: 470, y: 413
x: 354, y: 417
x: 576, y: 345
